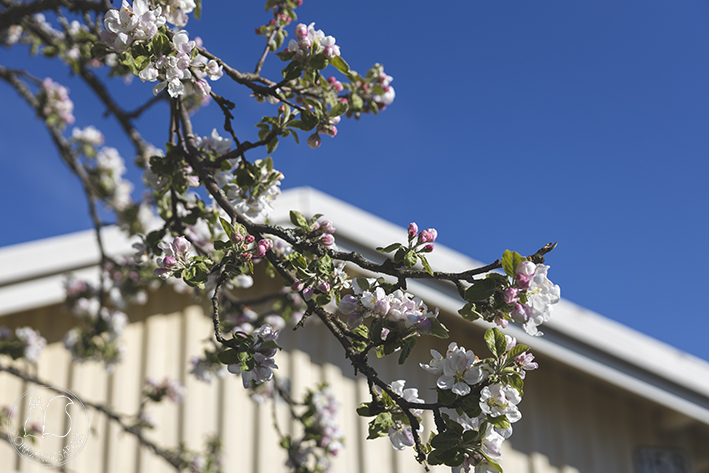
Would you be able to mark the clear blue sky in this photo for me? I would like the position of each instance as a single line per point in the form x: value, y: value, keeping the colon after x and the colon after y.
x: 515, y: 123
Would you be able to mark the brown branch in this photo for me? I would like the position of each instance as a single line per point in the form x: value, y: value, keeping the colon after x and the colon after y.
x: 262, y: 59
x: 171, y: 457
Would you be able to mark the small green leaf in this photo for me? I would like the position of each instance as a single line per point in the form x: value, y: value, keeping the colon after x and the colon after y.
x: 229, y: 357
x: 446, y: 440
x: 410, y: 259
x: 228, y: 228
x: 496, y: 341
x: 438, y: 330
x: 481, y: 290
x: 406, y: 350
x: 510, y: 261
x: 425, y: 264
x: 340, y: 64
x: 469, y: 313
x: 390, y: 248
x: 517, y: 350
x: 319, y: 61
x: 298, y: 219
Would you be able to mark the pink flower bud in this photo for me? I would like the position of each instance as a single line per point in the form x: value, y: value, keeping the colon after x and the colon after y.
x: 413, y: 230
x: 428, y: 236
x: 327, y: 240
x: 249, y: 239
x: 501, y: 321
x: 237, y: 237
x: 522, y: 281
x: 308, y: 293
x: 427, y: 249
x: 297, y: 285
x: 511, y: 296
x: 260, y: 251
x: 180, y: 245
x: 384, y: 333
x: 324, y: 286
x: 246, y: 256
x: 327, y: 227
x: 169, y: 262
x: 266, y: 243
x: 331, y: 79
x: 301, y: 31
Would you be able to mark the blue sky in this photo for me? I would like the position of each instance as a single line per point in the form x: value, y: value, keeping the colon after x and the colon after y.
x: 516, y: 123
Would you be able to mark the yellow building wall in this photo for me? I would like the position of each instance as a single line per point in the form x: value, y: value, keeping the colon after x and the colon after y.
x: 572, y: 423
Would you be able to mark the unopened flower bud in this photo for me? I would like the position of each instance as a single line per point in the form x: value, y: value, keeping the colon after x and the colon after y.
x: 327, y: 240
x: 169, y: 262
x: 301, y: 31
x: 324, y: 286
x: 427, y: 249
x: 327, y: 227
x: 249, y: 239
x: 237, y: 237
x: 180, y: 244
x: 413, y: 230
x: 314, y: 141
x: 501, y: 321
x: 511, y: 296
x: 428, y: 235
x: 246, y: 256
x: 297, y: 285
x: 308, y: 293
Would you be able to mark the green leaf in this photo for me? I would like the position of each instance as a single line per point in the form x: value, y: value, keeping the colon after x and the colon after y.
x: 446, y: 440
x: 471, y: 406
x: 369, y: 409
x: 292, y: 71
x: 228, y: 228
x: 438, y: 330
x: 516, y: 382
x: 492, y: 462
x: 510, y: 261
x: 338, y: 109
x: 272, y: 145
x: 410, y: 259
x: 499, y: 421
x: 390, y: 248
x: 425, y: 264
x: 379, y: 427
x: 481, y: 290
x: 323, y: 299
x: 469, y: 313
x: 517, y: 350
x: 340, y: 64
x: 298, y: 219
x: 406, y: 350
x: 496, y: 341
x: 229, y: 357
x: 356, y: 102
x: 446, y: 396
x: 319, y: 61
x: 198, y: 9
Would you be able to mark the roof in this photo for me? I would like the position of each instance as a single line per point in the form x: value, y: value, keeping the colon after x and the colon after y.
x: 31, y: 276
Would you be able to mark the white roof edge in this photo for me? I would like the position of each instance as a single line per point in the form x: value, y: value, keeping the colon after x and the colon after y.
x: 34, y: 267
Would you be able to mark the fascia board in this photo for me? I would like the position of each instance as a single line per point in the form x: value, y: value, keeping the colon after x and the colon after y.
x: 582, y: 331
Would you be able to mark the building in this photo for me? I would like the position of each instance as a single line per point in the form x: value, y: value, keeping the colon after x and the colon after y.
x: 606, y: 399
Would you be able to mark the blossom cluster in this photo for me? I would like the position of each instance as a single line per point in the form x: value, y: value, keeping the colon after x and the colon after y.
x: 175, y: 259
x: 168, y: 388
x: 263, y: 364
x: 400, y: 433
x: 457, y: 370
x: 25, y: 342
x: 57, y: 106
x: 540, y: 294
x: 399, y: 310
x: 131, y: 23
x: 310, y: 40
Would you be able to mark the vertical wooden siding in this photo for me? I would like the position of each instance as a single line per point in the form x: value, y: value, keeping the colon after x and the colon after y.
x: 572, y: 423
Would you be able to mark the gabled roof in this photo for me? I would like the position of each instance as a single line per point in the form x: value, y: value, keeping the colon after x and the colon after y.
x: 31, y: 276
